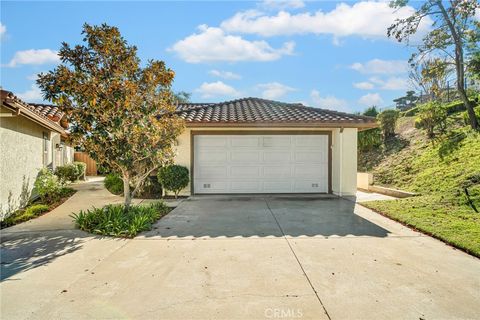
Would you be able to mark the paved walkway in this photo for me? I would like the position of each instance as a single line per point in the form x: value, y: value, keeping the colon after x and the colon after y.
x: 89, y: 194
x: 236, y: 258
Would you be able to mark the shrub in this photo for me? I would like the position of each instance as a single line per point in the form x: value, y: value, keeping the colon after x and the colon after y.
x: 466, y: 118
x: 411, y: 112
x: 81, y: 170
x: 24, y: 215
x: 173, y: 178
x: 388, y: 120
x: 68, y: 172
x: 48, y: 186
x: 114, y: 220
x: 150, y: 188
x: 432, y: 117
x: 114, y: 183
x: 369, y: 139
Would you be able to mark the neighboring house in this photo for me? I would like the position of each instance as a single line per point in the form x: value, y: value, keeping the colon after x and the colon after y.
x: 31, y: 137
x: 254, y: 145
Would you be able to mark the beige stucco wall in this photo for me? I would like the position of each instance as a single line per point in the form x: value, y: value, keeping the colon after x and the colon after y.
x: 346, y: 173
x: 22, y: 156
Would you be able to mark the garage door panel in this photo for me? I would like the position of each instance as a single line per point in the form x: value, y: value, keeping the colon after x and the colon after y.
x: 310, y: 186
x: 245, y: 156
x: 261, y: 164
x: 273, y: 157
x: 211, y: 172
x: 247, y: 141
x: 211, y: 141
x: 310, y: 141
x: 211, y: 186
x: 302, y: 171
x: 284, y: 186
x: 309, y: 157
x: 244, y: 172
x: 212, y: 156
x: 277, y: 141
x: 245, y: 186
x: 272, y: 172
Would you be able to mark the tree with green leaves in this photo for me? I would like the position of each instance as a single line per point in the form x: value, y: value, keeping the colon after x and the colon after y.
x: 407, y: 101
x: 388, y: 122
x: 432, y: 117
x: 371, y: 138
x: 453, y: 32
x: 121, y: 113
x: 182, y: 97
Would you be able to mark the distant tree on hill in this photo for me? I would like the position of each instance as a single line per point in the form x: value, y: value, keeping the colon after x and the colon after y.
x: 371, y: 111
x: 182, y: 97
x: 453, y: 33
x: 406, y: 102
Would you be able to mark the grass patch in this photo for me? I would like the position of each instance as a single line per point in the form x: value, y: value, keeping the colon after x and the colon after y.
x: 454, y: 224
x: 439, y: 171
x: 36, y: 209
x: 115, y: 221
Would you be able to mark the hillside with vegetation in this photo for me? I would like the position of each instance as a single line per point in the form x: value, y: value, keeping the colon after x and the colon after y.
x: 443, y: 169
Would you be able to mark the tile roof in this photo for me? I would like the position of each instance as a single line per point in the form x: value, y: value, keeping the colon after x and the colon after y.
x: 50, y: 111
x: 256, y: 110
x: 47, y: 114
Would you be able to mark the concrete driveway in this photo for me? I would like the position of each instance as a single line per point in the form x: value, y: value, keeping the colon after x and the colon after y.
x: 284, y: 257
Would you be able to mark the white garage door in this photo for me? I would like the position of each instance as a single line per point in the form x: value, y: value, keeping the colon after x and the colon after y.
x: 260, y: 164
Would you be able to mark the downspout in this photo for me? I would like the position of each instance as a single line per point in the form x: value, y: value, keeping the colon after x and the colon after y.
x: 340, y: 192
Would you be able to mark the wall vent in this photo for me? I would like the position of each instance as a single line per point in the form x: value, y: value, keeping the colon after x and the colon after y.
x: 206, y: 185
x: 314, y: 185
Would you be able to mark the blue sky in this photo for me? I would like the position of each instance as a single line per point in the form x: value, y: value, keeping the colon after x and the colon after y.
x: 332, y: 55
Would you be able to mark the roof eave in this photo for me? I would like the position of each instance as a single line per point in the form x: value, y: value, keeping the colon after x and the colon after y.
x: 29, y: 114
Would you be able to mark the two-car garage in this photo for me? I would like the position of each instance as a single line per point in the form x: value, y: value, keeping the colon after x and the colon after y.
x: 253, y: 162
x: 253, y: 145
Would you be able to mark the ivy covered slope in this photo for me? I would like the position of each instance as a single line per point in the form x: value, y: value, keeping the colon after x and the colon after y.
x: 439, y: 171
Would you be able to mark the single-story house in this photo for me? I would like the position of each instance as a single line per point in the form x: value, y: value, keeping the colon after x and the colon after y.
x: 254, y: 145
x: 32, y: 136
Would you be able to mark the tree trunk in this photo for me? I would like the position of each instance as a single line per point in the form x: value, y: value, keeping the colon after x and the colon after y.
x: 127, y: 195
x: 459, y: 67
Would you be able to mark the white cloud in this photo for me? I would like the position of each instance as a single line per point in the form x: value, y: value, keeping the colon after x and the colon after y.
x: 477, y: 14
x: 328, y: 102
x: 368, y: 19
x: 34, y: 56
x: 364, y: 85
x: 371, y: 99
x: 33, y: 76
x: 225, y: 74
x: 274, y: 90
x: 392, y: 83
x: 212, y: 44
x: 378, y: 66
x: 282, y: 4
x: 3, y: 30
x: 216, y: 89
x: 32, y: 95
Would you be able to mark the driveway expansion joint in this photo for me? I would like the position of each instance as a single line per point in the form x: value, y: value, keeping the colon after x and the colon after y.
x: 296, y: 258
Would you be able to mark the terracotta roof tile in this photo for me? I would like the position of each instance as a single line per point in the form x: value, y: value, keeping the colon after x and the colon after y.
x: 256, y: 110
x: 50, y: 111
